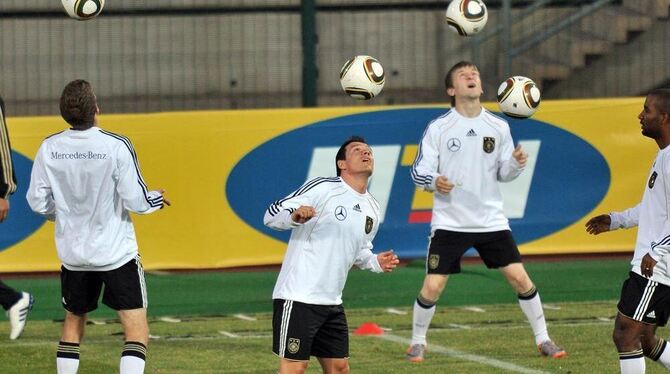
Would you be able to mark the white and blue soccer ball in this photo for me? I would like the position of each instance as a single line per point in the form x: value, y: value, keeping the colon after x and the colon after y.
x: 467, y: 17
x: 83, y: 9
x: 362, y: 77
x: 518, y: 97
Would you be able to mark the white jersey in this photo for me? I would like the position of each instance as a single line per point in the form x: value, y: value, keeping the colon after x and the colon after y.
x: 322, y: 251
x: 474, y: 154
x: 88, y: 181
x: 652, y: 216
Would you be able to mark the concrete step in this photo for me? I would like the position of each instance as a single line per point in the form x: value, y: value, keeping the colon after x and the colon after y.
x: 615, y: 23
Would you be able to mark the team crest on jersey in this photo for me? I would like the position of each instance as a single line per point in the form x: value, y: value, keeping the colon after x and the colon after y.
x: 293, y: 345
x: 652, y: 179
x: 433, y: 261
x: 368, y: 224
x: 340, y: 213
x: 489, y: 144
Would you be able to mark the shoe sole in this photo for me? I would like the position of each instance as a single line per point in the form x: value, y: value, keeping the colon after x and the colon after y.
x: 559, y: 354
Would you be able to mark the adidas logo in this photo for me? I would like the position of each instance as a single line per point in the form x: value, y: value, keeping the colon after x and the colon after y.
x: 357, y: 207
x: 651, y: 314
x: 471, y: 133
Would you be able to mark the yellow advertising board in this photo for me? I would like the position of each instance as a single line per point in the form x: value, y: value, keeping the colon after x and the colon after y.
x: 221, y: 169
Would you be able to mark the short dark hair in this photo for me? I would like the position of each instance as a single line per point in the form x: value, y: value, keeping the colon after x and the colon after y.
x: 78, y: 104
x: 449, y: 80
x: 342, y: 152
x: 662, y: 96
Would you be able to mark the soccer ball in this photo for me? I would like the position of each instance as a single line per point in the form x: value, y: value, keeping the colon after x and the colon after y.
x: 362, y: 77
x: 467, y: 17
x: 83, y: 9
x: 518, y: 97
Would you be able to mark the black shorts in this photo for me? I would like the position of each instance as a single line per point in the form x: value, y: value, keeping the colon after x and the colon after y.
x: 497, y: 249
x: 301, y: 330
x: 644, y: 300
x: 124, y: 288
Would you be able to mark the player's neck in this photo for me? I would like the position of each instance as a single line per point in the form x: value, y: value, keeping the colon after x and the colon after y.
x: 358, y: 182
x: 469, y: 108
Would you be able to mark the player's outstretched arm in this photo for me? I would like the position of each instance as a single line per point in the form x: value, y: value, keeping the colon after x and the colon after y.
x: 599, y: 224
x: 388, y: 261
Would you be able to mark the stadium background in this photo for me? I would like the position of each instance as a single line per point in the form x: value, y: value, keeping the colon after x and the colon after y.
x: 207, y: 60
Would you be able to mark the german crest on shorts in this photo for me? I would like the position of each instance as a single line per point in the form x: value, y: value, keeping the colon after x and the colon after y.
x: 433, y: 261
x: 368, y: 224
x: 293, y: 345
x: 489, y: 144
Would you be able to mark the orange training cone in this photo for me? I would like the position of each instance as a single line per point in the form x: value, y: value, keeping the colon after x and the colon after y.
x: 369, y: 328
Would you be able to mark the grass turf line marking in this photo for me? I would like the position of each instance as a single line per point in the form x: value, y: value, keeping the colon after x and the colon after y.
x: 244, y: 317
x: 228, y: 334
x: 474, y: 309
x: 551, y: 307
x: 396, y: 311
x: 169, y: 319
x: 465, y: 356
x: 462, y: 327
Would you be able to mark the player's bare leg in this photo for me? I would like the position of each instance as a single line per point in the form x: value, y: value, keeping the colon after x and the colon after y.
x: 136, y: 331
x: 424, y: 309
x: 67, y: 356
x: 292, y: 367
x: 334, y: 365
x: 626, y: 336
x: 531, y: 305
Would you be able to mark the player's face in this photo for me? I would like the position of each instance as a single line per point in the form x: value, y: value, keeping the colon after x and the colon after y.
x: 651, y: 118
x: 359, y: 159
x: 467, y: 83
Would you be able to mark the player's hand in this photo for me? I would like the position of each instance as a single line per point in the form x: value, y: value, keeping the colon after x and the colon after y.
x: 599, y: 224
x: 520, y: 156
x: 4, y: 209
x: 303, y: 214
x: 388, y: 261
x: 647, y: 265
x: 443, y: 185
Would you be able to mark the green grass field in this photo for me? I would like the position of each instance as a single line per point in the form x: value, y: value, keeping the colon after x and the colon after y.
x: 478, y: 327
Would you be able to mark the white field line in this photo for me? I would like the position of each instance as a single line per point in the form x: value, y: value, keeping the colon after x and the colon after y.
x: 466, y: 356
x: 102, y: 340
x: 244, y: 317
x: 551, y: 307
x: 462, y: 327
x: 396, y: 311
x: 169, y: 319
x: 228, y: 334
x: 474, y: 309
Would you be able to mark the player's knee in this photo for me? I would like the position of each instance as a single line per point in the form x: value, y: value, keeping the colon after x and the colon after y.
x: 430, y: 293
x: 341, y: 367
x: 623, y: 341
x: 520, y: 282
x: 432, y: 289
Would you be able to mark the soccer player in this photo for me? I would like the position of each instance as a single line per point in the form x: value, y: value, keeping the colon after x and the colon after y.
x: 17, y: 304
x: 88, y: 181
x: 334, y: 221
x: 644, y: 303
x: 462, y: 156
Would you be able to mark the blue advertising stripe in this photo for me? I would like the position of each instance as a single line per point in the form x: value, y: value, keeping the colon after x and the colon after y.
x: 544, y: 214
